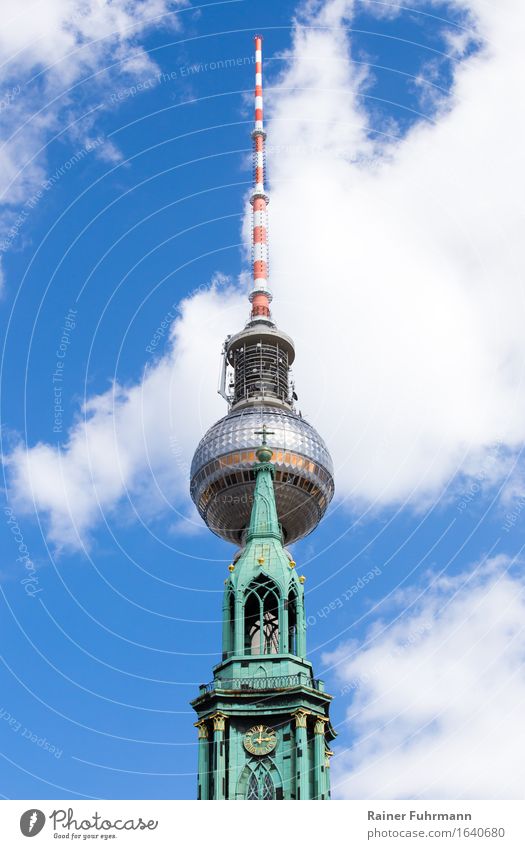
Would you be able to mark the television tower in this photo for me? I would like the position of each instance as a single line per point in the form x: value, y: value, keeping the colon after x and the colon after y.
x: 263, y: 723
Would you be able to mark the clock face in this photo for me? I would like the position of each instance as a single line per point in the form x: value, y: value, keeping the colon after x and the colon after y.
x: 260, y: 740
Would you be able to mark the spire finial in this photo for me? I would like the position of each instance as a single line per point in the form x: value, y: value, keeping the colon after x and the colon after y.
x: 264, y: 432
x: 264, y: 454
x: 260, y: 296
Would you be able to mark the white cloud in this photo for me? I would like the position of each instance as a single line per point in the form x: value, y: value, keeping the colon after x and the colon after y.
x: 67, y: 37
x: 46, y: 48
x: 133, y: 443
x: 438, y: 693
x: 405, y: 262
x: 397, y: 266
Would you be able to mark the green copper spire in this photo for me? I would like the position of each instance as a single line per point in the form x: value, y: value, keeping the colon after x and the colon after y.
x: 264, y: 521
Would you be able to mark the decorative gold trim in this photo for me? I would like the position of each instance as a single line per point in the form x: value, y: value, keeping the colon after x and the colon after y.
x: 302, y: 579
x: 320, y: 722
x: 231, y: 568
x: 300, y: 717
x: 218, y: 720
x: 202, y: 729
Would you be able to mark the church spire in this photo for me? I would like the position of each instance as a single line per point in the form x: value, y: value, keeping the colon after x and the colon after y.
x: 264, y: 521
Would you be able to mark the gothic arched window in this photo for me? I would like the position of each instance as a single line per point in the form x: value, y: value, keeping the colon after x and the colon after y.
x: 260, y: 785
x: 261, y: 618
x: 253, y: 787
x: 292, y: 622
x: 267, y: 788
x: 252, y: 624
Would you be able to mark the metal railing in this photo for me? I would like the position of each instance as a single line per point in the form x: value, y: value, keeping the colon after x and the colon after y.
x: 263, y: 682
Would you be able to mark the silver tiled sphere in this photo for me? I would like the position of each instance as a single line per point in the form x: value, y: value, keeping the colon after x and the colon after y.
x: 222, y: 476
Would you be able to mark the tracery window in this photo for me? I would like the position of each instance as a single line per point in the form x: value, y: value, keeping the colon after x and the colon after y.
x: 260, y: 786
x: 267, y: 787
x: 253, y: 787
x: 261, y: 618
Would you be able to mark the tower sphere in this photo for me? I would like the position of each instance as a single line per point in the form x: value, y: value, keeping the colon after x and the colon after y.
x: 223, y: 478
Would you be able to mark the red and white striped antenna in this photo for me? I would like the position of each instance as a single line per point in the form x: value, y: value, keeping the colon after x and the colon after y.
x: 260, y: 296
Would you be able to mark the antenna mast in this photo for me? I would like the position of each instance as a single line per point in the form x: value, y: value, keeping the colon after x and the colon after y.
x: 260, y: 296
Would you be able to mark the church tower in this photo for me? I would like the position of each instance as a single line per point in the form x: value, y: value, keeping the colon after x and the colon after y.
x: 262, y: 478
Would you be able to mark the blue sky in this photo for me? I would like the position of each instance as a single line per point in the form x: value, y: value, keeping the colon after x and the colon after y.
x: 394, y: 211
